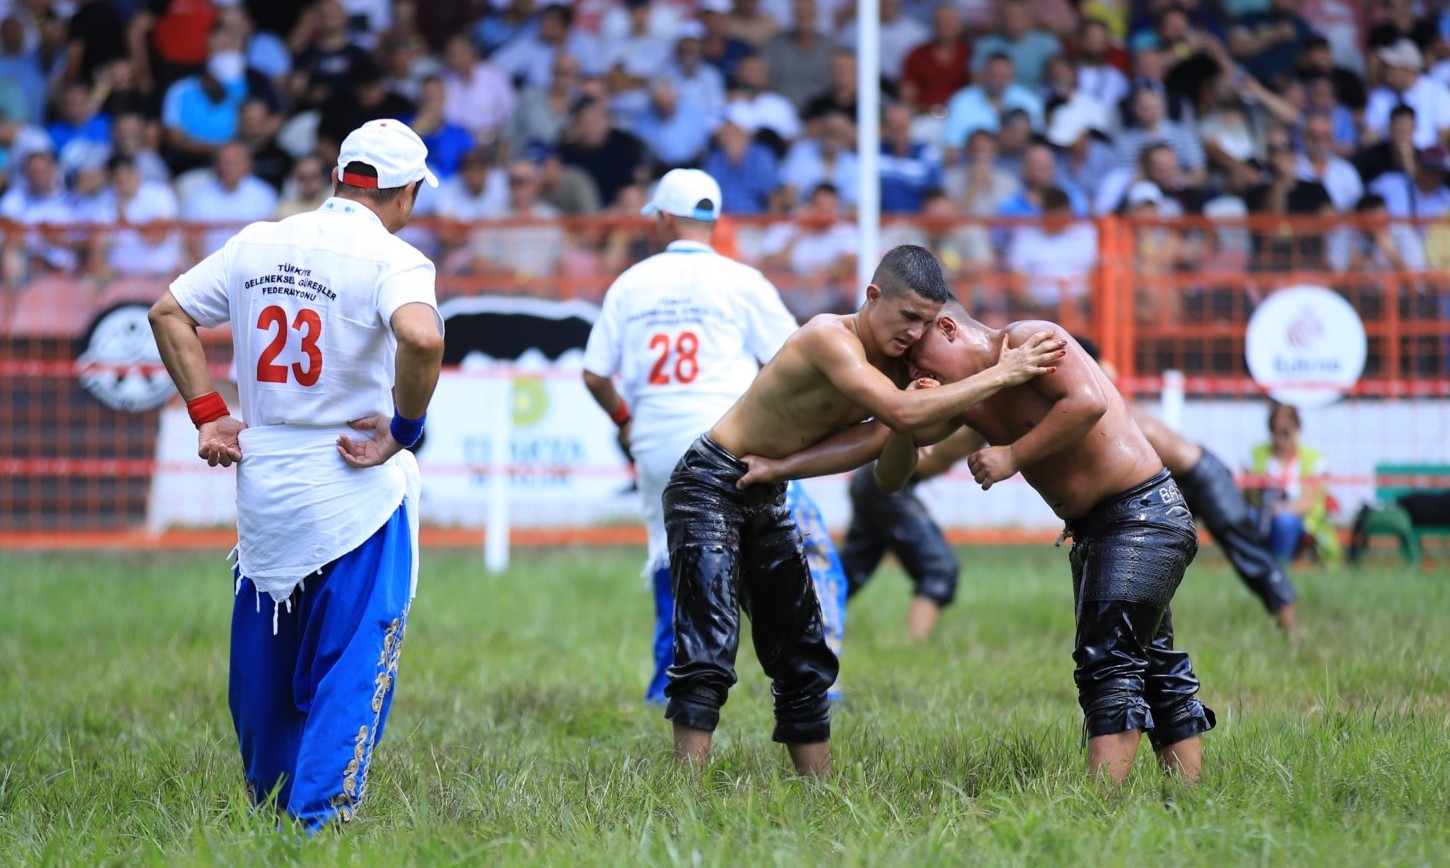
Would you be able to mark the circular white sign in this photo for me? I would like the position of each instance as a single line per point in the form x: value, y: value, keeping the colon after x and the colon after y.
x: 1305, y: 346
x: 121, y: 366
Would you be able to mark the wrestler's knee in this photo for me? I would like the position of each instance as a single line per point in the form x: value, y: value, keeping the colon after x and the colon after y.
x: 1113, y: 706
x: 939, y: 585
x: 693, y: 704
x: 803, y: 709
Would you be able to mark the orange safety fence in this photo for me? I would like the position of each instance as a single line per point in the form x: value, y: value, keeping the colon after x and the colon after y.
x: 77, y: 404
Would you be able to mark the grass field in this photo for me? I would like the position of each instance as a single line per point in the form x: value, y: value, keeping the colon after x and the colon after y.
x: 517, y: 736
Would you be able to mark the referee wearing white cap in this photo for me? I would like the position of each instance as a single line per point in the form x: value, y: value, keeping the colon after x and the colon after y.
x: 686, y: 331
x: 337, y: 345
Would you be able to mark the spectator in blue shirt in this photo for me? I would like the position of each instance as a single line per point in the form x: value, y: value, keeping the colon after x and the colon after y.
x: 981, y: 106
x: 908, y: 169
x: 78, y: 118
x: 1039, y: 172
x: 745, y: 168
x: 1028, y: 47
x: 22, y: 68
x: 447, y: 142
x: 675, y: 131
x: 199, y: 113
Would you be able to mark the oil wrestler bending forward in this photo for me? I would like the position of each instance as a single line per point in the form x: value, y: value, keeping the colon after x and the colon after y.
x: 734, y: 548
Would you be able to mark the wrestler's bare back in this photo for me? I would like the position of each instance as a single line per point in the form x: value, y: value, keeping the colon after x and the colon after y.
x: 792, y: 404
x: 1111, y: 457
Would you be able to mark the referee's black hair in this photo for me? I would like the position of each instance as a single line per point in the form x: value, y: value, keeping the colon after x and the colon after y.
x: 911, y: 268
x: 376, y: 195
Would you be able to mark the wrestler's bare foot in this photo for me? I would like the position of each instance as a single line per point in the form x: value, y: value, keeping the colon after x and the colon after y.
x: 1184, y: 758
x: 921, y: 618
x: 692, y: 747
x: 1111, y: 756
x: 1288, y: 620
x: 811, y: 760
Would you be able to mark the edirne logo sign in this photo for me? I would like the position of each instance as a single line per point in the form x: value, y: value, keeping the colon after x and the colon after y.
x: 121, y: 366
x: 1306, y: 346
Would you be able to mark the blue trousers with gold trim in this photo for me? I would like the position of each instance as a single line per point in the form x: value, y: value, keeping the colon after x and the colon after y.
x: 309, y: 702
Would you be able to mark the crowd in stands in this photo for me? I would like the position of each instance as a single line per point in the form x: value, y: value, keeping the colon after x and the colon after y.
x: 130, y: 113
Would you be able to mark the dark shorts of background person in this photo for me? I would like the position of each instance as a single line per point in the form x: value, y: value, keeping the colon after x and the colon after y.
x: 732, y: 550
x: 897, y: 522
x: 1210, y: 492
x: 1128, y: 557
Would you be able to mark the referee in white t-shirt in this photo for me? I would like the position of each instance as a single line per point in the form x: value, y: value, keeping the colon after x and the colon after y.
x: 337, y: 344
x: 686, y: 331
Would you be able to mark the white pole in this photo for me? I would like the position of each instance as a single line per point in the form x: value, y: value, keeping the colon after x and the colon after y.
x: 868, y: 140
x: 1172, y: 399
x: 498, y: 406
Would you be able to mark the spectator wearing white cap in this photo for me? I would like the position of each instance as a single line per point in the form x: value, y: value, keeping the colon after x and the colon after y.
x: 752, y: 103
x: 746, y: 169
x: 1404, y: 85
x: 1083, y: 160
x: 338, y: 347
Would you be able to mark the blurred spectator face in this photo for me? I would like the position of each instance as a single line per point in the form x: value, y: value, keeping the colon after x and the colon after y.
x: 824, y: 204
x: 939, y: 207
x: 982, y: 147
x: 1148, y: 63
x: 946, y: 23
x: 126, y: 179
x: 838, y: 133
x: 716, y: 23
x: 75, y: 104
x: 1148, y: 106
x: 474, y: 172
x: 997, y: 75
x: 12, y: 35
x: 1172, y: 27
x: 1318, y: 136
x: 554, y: 24
x: 128, y: 134
x: 689, y: 51
x: 254, y: 123
x: 430, y: 95
x: 1320, y: 95
x: 733, y: 140
x: 331, y: 19
x: 753, y: 74
x: 843, y: 70
x: 1318, y: 57
x: 1399, y: 78
x: 1038, y: 167
x: 1285, y: 7
x: 1016, y: 132
x: 1402, y: 128
x: 1094, y: 41
x: 1282, y: 159
x: 1161, y: 168
x: 1243, y: 176
x: 890, y: 10
x: 592, y: 125
x: 309, y: 177
x: 40, y: 172
x: 896, y: 126
x: 804, y: 12
x: 523, y: 185
x: 662, y: 98
x: 1015, y: 19
x: 459, y: 54
x: 1060, y: 76
x: 89, y: 181
x: 232, y: 164
x: 565, y: 74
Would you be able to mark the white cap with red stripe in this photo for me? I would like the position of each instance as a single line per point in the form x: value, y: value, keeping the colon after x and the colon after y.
x: 390, y: 147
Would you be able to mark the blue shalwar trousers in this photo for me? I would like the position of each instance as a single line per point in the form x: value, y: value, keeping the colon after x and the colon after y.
x: 311, y: 682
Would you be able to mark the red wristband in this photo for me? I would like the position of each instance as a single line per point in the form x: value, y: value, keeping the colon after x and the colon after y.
x: 206, y: 408
x: 620, y: 414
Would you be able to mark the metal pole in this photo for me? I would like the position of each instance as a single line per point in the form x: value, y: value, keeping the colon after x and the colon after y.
x: 868, y: 141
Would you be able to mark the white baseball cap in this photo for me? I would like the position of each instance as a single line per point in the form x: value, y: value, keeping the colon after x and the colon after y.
x: 686, y: 193
x: 1404, y: 54
x: 1068, y: 125
x: 1144, y: 192
x: 389, y: 146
